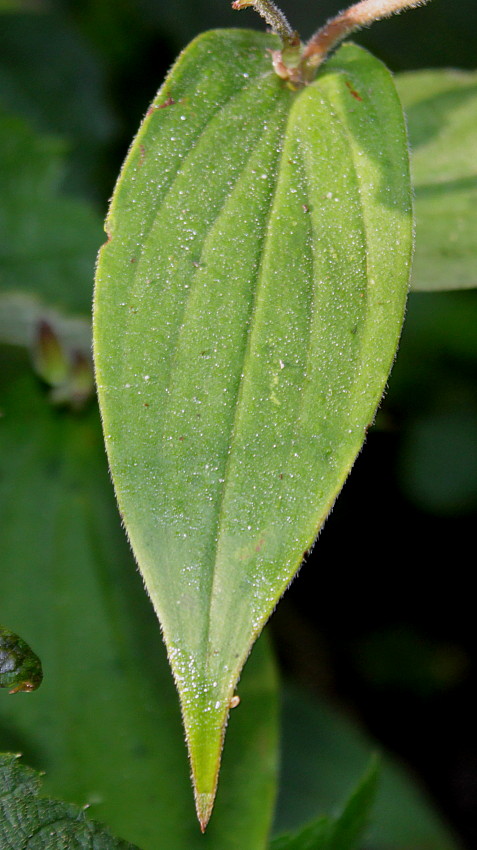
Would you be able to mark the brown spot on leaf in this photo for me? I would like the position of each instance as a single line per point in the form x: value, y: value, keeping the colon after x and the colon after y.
x: 259, y: 544
x: 353, y: 91
x: 168, y: 102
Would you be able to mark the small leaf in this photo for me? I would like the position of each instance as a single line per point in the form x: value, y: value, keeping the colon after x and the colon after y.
x: 20, y: 668
x: 441, y: 109
x: 342, y: 833
x: 27, y: 820
x: 248, y: 306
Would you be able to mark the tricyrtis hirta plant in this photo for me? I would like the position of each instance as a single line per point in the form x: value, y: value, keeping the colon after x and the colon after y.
x: 248, y: 306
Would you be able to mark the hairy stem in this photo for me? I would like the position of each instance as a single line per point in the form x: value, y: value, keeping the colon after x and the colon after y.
x: 357, y: 16
x: 273, y: 16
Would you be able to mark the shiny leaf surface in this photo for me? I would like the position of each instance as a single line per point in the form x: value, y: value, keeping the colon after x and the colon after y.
x: 20, y: 668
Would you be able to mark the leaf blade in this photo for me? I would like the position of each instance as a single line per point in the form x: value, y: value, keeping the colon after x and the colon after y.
x: 207, y: 357
x: 29, y: 820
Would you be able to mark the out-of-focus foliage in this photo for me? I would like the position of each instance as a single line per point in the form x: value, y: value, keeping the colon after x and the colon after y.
x: 340, y: 833
x: 48, y: 241
x: 52, y: 77
x: 441, y: 110
x: 316, y: 733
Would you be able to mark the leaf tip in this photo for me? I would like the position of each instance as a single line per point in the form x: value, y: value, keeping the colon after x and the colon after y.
x: 204, y: 803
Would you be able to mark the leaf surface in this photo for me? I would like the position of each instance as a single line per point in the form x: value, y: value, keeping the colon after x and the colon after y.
x: 248, y: 306
x: 30, y: 821
x: 20, y: 668
x: 441, y: 110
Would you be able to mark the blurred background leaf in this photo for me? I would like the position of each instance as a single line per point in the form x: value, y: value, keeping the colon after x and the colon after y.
x: 52, y: 77
x: 441, y: 110
x: 316, y: 733
x: 48, y: 241
x: 343, y: 832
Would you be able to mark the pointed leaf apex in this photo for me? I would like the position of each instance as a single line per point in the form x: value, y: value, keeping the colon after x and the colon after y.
x: 204, y: 804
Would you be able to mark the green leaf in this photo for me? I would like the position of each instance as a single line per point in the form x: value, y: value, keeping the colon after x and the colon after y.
x: 441, y: 108
x: 342, y: 833
x: 105, y: 725
x: 27, y: 820
x: 47, y: 240
x: 323, y: 756
x: 248, y: 306
x: 20, y: 668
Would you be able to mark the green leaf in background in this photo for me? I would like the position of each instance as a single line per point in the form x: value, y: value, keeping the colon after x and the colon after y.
x: 248, y: 306
x: 105, y: 725
x: 19, y: 5
x: 47, y: 240
x: 317, y: 733
x: 20, y: 668
x: 343, y: 832
x: 52, y: 78
x: 441, y: 109
x: 28, y: 820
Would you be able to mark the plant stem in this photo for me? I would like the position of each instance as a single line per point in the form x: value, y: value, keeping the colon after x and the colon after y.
x: 273, y: 16
x: 357, y: 16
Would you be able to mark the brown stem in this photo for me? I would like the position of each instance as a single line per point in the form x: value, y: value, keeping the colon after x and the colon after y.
x: 273, y: 16
x: 357, y: 16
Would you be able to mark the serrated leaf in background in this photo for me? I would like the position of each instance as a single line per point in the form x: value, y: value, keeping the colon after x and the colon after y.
x: 40, y: 823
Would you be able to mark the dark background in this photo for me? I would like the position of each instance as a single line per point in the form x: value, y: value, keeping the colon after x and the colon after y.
x: 382, y: 618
